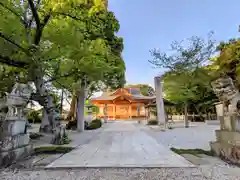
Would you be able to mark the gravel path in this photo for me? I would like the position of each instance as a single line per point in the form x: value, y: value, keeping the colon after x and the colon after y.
x: 106, y: 174
x: 117, y: 174
x: 177, y: 137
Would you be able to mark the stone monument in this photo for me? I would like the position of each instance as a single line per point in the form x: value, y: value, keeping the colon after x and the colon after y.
x: 14, y: 141
x: 227, y: 145
x: 159, y: 102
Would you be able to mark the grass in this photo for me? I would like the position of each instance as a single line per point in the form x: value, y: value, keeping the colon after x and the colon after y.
x: 194, y: 152
x: 52, y: 150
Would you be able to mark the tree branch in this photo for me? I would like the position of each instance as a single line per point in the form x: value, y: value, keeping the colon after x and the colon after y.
x: 13, y: 42
x: 69, y: 15
x: 59, y: 77
x: 39, y: 30
x: 10, y: 62
x: 35, y: 13
x: 9, y: 9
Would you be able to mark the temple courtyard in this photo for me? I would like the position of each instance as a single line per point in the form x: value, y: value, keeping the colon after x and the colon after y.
x: 128, y: 150
x: 121, y: 144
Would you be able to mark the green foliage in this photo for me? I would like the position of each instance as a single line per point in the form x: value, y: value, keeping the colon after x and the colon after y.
x: 143, y: 88
x: 72, y: 42
x: 152, y: 122
x: 8, y: 76
x: 34, y: 116
x: 95, y: 109
x: 228, y: 61
x: 187, y: 80
x: 94, y: 124
x: 195, y: 152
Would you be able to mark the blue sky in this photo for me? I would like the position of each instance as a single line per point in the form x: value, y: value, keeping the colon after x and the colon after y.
x: 148, y: 24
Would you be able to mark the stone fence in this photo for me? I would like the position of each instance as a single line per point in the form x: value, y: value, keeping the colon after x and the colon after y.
x: 194, y: 116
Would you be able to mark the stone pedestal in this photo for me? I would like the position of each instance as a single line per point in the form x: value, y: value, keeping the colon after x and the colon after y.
x: 14, y: 143
x: 227, y: 144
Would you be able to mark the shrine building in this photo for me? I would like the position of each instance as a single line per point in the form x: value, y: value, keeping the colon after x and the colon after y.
x: 122, y: 104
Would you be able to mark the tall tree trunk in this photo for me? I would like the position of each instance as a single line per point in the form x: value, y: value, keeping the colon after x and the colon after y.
x: 186, y: 122
x: 80, y: 110
x: 73, y: 108
x: 46, y: 101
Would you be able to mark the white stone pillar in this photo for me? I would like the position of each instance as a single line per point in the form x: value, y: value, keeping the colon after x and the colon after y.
x: 159, y: 101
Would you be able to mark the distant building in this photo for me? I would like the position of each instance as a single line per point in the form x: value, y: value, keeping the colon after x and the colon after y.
x: 124, y: 103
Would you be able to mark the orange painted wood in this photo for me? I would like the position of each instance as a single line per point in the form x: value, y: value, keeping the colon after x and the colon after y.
x: 121, y: 107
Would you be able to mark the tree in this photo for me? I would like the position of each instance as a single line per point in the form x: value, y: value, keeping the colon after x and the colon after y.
x: 100, y: 66
x: 228, y: 61
x: 44, y: 38
x: 184, y: 68
x: 198, y: 93
x: 8, y: 77
x: 144, y: 88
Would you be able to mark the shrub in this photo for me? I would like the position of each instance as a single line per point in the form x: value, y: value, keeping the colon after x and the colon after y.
x: 153, y: 122
x: 97, y: 121
x: 94, y: 124
x: 73, y: 125
x: 34, y: 117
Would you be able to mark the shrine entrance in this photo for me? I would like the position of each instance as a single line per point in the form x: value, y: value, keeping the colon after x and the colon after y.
x: 122, y: 111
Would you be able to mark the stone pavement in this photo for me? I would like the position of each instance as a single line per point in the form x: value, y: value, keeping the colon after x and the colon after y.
x: 197, y: 136
x: 121, y: 144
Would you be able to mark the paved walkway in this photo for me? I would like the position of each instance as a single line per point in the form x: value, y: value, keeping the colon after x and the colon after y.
x: 121, y: 144
x: 197, y: 136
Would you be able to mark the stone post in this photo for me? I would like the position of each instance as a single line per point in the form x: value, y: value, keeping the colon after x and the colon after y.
x: 159, y: 102
x: 105, y: 113
x: 138, y: 112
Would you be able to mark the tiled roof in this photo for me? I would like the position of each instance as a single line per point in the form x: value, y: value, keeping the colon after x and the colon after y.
x: 135, y: 94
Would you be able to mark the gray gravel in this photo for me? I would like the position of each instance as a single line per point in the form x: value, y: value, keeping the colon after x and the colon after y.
x: 116, y: 174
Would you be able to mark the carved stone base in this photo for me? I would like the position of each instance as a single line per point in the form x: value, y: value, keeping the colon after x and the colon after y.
x: 11, y: 142
x: 14, y: 143
x: 227, y: 146
x: 9, y: 157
